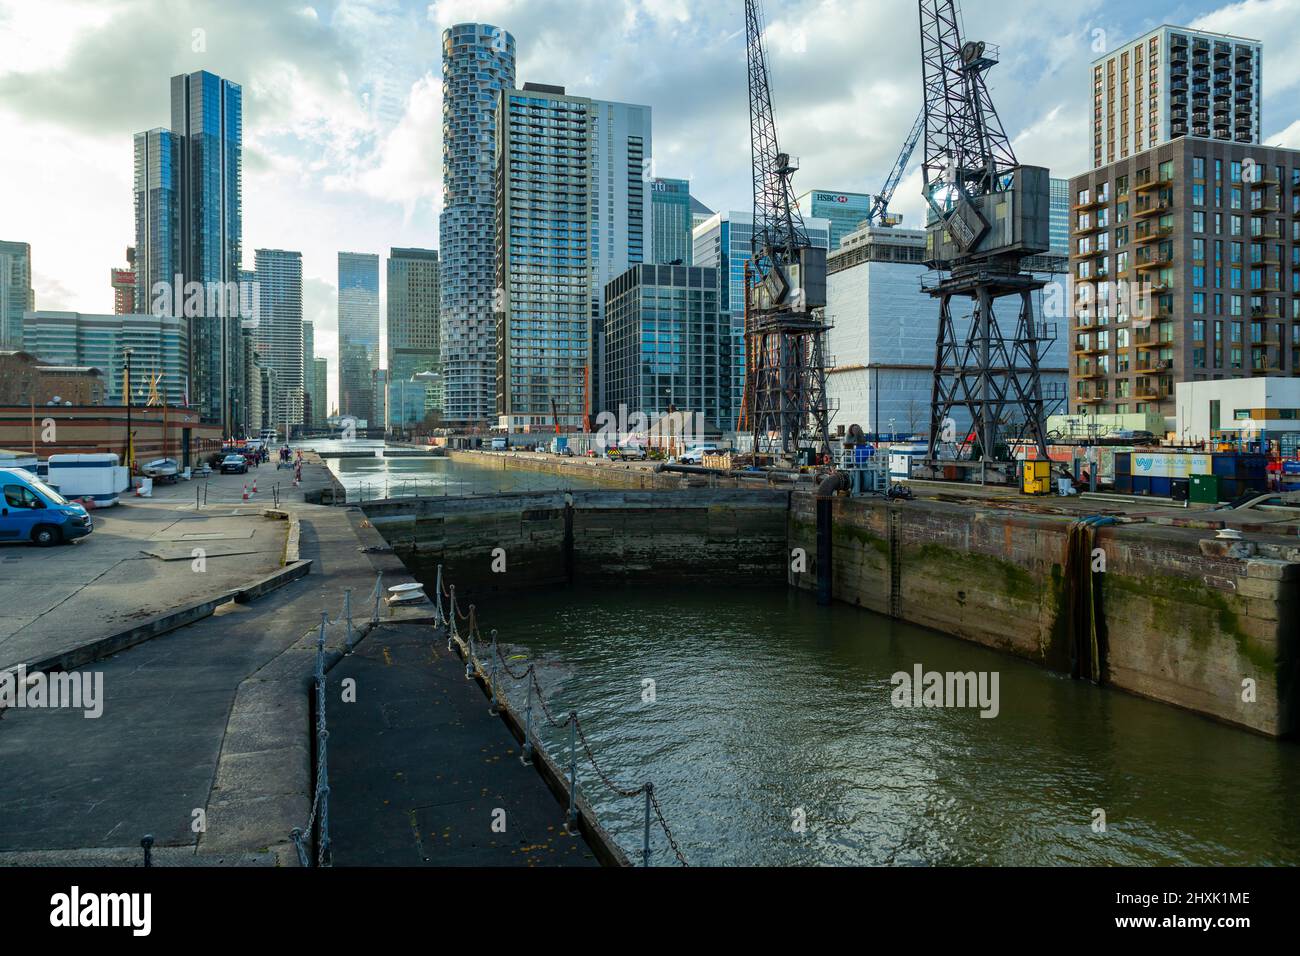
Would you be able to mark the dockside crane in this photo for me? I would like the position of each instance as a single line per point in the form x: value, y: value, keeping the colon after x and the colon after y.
x: 785, y: 329
x: 988, y: 213
x: 880, y: 214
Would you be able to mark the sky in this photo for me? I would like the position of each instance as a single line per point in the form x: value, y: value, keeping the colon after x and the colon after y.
x: 343, y: 100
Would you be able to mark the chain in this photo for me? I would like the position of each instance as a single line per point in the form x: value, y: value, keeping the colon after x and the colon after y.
x: 604, y: 777
x: 663, y: 825
x: 530, y: 674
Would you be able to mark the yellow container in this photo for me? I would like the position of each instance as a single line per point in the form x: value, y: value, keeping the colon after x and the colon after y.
x: 1038, y: 478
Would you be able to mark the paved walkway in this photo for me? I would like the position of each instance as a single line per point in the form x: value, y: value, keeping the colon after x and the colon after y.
x: 136, y: 565
x: 419, y: 770
x: 210, y: 718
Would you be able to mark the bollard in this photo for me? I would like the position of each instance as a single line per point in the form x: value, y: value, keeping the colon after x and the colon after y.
x: 573, y: 771
x: 526, y: 758
x: 645, y: 845
x: 147, y: 845
x: 197, y: 491
x: 347, y: 616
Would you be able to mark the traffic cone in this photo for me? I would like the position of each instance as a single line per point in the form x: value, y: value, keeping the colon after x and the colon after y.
x: 245, y: 492
x: 254, y: 486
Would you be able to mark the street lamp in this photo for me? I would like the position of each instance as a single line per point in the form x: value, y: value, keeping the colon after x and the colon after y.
x: 126, y: 391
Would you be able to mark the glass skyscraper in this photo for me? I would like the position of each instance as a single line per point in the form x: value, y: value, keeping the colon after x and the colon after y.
x: 358, y: 333
x: 413, y: 342
x: 724, y: 242
x: 278, y: 337
x: 157, y: 215
x: 16, y: 296
x: 1059, y: 217
x: 844, y: 211
x: 672, y: 225
x: 666, y: 339
x: 478, y: 61
x: 207, y: 116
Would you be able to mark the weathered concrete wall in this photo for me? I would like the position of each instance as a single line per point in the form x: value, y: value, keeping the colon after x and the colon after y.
x: 599, y: 473
x: 1184, y: 626
x: 722, y: 536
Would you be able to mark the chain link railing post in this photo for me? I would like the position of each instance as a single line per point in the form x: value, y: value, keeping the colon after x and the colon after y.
x: 437, y: 604
x: 146, y: 844
x: 347, y: 616
x: 379, y: 593
x: 492, y: 679
x: 527, y: 757
x: 645, y: 846
x: 573, y: 771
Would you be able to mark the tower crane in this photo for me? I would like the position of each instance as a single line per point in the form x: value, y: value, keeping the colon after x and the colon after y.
x: 785, y: 330
x: 988, y: 213
x: 880, y: 215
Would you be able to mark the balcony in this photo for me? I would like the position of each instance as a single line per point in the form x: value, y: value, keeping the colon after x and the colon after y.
x: 1146, y: 186
x: 1095, y: 203
x: 1091, y: 400
x: 1152, y: 234
x: 1155, y: 260
x: 1153, y: 208
x: 1266, y: 209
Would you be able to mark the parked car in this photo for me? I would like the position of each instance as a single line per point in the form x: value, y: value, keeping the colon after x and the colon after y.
x: 499, y: 444
x: 234, y: 465
x: 30, y: 510
x: 695, y: 455
x: 632, y: 452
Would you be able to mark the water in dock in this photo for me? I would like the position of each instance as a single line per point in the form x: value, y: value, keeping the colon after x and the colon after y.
x: 772, y: 715
x: 378, y: 477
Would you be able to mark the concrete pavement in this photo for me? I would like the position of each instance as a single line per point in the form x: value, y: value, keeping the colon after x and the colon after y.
x: 204, y: 737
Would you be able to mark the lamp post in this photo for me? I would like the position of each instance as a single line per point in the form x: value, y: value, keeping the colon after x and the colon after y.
x: 126, y: 392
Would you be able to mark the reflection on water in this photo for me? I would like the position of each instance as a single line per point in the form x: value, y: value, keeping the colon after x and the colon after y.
x: 767, y: 705
x: 376, y: 477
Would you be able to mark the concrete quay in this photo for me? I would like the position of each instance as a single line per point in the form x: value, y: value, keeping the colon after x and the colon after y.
x: 205, y: 738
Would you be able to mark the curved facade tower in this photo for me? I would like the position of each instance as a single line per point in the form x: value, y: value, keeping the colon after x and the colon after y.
x: 478, y: 61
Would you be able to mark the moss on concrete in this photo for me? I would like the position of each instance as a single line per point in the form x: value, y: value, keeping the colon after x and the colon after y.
x: 1157, y: 590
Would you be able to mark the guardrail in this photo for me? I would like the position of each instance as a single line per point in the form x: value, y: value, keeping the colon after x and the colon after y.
x: 450, y: 617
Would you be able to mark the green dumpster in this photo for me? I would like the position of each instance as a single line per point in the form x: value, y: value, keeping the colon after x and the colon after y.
x: 1205, y: 489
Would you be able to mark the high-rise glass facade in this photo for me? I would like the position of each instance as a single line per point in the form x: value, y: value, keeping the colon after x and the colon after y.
x: 100, y: 341
x: 413, y: 301
x: 724, y: 242
x: 157, y: 215
x: 358, y: 333
x: 16, y: 296
x: 844, y: 211
x: 1059, y: 221
x: 478, y: 61
x: 666, y: 339
x: 278, y: 336
x: 543, y: 258
x: 671, y: 221
x: 207, y: 120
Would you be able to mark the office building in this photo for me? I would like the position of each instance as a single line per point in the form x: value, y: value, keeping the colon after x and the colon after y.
x: 573, y: 210
x: 724, y: 242
x: 157, y: 219
x: 1174, y: 82
x: 16, y: 295
x: 478, y: 62
x: 278, y: 334
x: 156, y: 343
x: 844, y: 211
x: 1059, y: 225
x: 358, y: 333
x: 699, y: 213
x: 207, y: 123
x: 1187, y: 259
x: 413, y: 303
x: 666, y: 338
x: 320, y: 391
x: 884, y: 330
x: 671, y: 221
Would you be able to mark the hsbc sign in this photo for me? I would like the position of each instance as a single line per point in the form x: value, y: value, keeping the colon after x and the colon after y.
x: 842, y: 199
